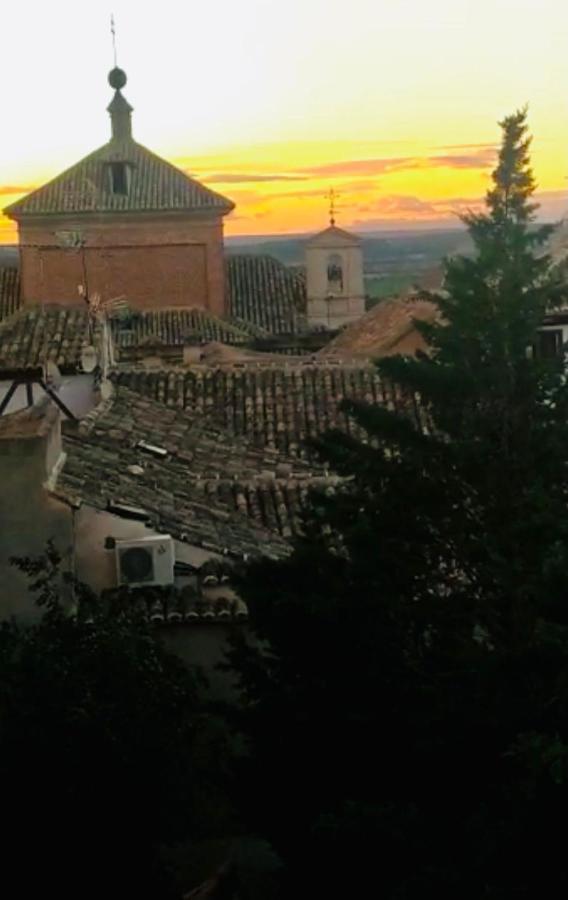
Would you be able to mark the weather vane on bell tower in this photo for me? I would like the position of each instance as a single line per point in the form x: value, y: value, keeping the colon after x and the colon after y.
x: 332, y: 197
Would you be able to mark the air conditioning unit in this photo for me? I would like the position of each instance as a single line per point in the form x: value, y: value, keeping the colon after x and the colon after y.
x: 145, y: 561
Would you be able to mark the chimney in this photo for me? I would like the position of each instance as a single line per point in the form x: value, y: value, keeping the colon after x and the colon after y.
x: 31, y: 451
x: 31, y: 455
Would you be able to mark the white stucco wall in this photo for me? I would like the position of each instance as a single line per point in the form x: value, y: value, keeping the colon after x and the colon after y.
x: 202, y: 643
x: 327, y: 305
x: 95, y: 565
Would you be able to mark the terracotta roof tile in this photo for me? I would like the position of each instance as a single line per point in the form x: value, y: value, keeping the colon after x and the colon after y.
x: 174, y: 606
x: 278, y: 407
x: 86, y: 188
x: 173, y: 328
x: 264, y: 294
x: 211, y: 489
x: 263, y: 297
x: 36, y: 335
x: 385, y: 330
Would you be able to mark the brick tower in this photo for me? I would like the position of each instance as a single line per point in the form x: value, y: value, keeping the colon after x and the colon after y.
x: 122, y: 223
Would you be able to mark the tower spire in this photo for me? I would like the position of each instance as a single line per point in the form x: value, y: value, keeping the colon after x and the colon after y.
x: 332, y: 197
x: 113, y: 33
x: 119, y: 108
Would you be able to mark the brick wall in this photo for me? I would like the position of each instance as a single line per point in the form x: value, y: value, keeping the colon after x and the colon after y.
x: 151, y: 260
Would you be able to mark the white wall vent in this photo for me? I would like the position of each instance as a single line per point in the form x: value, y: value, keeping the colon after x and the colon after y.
x: 145, y: 561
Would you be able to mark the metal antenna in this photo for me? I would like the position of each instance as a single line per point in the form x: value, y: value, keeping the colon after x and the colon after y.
x: 113, y: 32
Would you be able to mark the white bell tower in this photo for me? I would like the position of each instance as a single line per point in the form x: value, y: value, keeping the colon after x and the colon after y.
x: 334, y: 276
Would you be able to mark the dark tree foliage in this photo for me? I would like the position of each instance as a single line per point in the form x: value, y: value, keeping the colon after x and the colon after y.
x: 407, y: 714
x: 105, y: 750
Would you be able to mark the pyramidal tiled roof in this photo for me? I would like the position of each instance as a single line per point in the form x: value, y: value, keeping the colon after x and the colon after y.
x: 155, y: 185
x: 148, y: 184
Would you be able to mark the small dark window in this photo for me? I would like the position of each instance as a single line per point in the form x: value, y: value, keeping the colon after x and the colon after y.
x: 549, y: 344
x: 334, y: 273
x: 119, y: 178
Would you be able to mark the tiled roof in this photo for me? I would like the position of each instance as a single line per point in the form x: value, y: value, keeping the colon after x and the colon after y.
x: 385, y: 330
x: 216, y: 354
x: 253, y: 331
x: 173, y: 328
x: 9, y: 290
x: 263, y: 293
x: 86, y: 187
x: 34, y: 335
x: 174, y: 606
x: 277, y: 407
x: 263, y: 298
x: 211, y: 489
x: 40, y: 334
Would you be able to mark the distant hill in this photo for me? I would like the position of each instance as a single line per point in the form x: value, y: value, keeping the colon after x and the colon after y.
x: 383, y: 251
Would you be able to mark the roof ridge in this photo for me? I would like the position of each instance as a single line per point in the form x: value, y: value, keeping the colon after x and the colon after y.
x: 282, y: 364
x: 88, y: 422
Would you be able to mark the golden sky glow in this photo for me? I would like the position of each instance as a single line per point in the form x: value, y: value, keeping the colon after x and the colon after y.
x: 394, y: 104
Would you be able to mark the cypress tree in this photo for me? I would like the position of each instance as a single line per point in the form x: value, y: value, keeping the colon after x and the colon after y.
x: 406, y: 709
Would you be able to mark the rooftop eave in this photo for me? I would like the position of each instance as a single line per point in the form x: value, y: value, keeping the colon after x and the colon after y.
x: 194, y: 211
x: 333, y: 236
x: 11, y: 212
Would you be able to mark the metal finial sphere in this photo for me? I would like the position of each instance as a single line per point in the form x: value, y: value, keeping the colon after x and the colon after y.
x: 117, y: 78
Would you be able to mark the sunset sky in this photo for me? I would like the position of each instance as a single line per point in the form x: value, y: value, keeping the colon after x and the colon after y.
x: 394, y: 104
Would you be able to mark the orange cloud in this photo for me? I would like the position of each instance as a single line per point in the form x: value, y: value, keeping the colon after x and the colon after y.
x: 243, y: 178
x: 356, y: 186
x: 299, y: 195
x: 482, y: 158
x: 403, y: 211
x: 399, y: 204
x: 15, y: 189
